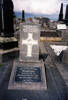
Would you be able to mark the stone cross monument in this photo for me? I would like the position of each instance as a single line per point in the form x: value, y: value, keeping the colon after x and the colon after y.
x: 29, y: 42
x: 28, y: 72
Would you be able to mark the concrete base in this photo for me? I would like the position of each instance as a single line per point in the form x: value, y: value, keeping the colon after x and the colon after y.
x: 40, y: 85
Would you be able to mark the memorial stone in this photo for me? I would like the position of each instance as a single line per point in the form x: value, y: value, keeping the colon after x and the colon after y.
x: 29, y: 42
x: 28, y: 76
x: 28, y: 72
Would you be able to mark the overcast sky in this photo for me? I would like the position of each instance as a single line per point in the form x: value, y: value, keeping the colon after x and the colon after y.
x: 39, y: 6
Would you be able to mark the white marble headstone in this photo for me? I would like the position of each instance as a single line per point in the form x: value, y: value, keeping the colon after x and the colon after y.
x: 29, y: 42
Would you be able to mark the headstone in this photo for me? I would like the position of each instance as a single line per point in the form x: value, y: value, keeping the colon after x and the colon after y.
x: 28, y: 72
x: 29, y: 42
x: 61, y: 13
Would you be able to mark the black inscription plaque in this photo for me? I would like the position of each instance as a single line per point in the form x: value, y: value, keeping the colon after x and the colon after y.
x: 28, y: 74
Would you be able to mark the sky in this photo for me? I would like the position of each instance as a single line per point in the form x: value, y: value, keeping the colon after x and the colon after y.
x: 39, y: 6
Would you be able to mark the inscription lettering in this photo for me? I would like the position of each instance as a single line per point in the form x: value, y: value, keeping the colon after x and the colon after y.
x: 28, y: 74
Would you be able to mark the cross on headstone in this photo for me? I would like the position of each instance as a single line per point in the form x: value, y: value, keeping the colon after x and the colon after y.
x: 30, y: 42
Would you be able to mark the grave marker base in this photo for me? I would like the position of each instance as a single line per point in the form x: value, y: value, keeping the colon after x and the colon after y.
x: 28, y: 76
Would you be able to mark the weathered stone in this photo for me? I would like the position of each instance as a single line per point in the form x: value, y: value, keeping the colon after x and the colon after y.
x: 29, y: 41
x: 28, y: 76
x: 28, y: 72
x: 34, y: 57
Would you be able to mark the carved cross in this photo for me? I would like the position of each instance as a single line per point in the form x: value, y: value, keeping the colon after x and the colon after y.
x: 30, y: 42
